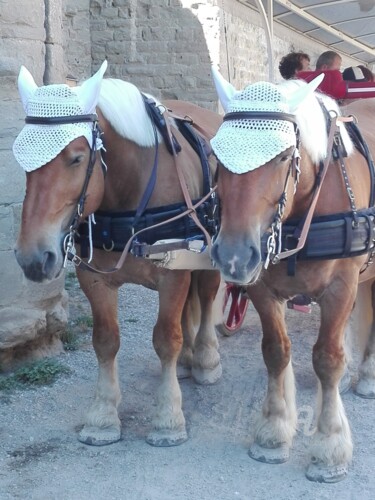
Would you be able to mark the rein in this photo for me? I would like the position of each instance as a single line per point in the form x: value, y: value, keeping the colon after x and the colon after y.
x: 69, y: 247
x: 68, y: 244
x: 274, y: 241
x: 302, y: 233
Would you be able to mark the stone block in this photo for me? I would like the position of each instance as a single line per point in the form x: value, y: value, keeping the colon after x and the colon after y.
x: 12, y: 281
x: 20, y: 325
x: 12, y: 179
x: 6, y: 228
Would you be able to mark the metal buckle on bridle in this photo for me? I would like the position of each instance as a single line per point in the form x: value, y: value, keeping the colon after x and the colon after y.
x: 69, y: 247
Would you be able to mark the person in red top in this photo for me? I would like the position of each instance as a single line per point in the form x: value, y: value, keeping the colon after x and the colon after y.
x: 354, y: 83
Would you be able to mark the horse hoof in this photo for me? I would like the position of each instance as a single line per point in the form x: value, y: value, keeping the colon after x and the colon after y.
x: 207, y: 377
x: 95, y: 436
x: 326, y: 473
x: 365, y: 389
x: 183, y: 372
x: 166, y: 437
x: 277, y: 455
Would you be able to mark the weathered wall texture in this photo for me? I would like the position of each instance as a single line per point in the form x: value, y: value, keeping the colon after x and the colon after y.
x: 31, y: 316
x: 165, y: 47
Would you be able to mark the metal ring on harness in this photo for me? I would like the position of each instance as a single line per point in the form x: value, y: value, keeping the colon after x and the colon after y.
x: 111, y: 247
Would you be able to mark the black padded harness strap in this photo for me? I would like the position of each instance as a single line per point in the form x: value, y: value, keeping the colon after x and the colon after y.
x: 331, y: 236
x: 113, y: 230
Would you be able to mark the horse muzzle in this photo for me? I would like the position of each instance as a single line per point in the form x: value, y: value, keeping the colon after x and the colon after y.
x: 42, y: 264
x: 238, y: 262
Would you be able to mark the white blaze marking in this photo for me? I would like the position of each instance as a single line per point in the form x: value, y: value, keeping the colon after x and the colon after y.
x: 232, y: 263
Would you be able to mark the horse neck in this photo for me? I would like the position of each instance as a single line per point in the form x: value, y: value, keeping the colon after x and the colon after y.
x: 333, y: 197
x: 129, y: 170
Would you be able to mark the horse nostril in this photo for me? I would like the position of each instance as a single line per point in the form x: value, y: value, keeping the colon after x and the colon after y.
x: 49, y: 262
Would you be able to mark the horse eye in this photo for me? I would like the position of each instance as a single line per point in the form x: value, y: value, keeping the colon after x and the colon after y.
x: 76, y: 160
x: 285, y: 158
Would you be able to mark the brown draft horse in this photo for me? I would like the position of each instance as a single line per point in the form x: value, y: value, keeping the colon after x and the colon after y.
x: 261, y: 186
x: 56, y: 158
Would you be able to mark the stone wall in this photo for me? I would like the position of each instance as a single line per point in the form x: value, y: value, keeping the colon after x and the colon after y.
x: 31, y: 316
x: 165, y: 47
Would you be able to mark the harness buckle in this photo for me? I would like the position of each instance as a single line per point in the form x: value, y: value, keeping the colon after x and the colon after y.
x: 68, y: 247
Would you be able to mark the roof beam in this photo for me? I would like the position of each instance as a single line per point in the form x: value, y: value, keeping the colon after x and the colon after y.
x: 330, y: 29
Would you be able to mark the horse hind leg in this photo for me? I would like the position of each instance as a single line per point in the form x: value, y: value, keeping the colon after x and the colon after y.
x: 185, y: 360
x: 364, y: 311
x: 206, y: 365
x: 102, y: 424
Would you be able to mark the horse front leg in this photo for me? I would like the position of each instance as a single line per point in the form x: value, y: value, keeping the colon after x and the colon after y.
x: 102, y: 424
x: 169, y: 422
x: 331, y: 448
x: 276, y: 425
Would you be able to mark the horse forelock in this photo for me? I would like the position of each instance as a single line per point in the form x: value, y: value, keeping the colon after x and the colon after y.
x: 122, y: 105
x: 311, y: 122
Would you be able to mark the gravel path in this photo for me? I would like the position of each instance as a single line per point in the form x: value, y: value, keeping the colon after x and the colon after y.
x: 40, y: 457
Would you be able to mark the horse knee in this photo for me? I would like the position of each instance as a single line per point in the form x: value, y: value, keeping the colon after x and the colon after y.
x: 329, y: 364
x: 276, y: 356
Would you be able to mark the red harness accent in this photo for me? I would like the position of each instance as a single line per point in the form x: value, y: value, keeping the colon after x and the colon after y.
x: 335, y: 86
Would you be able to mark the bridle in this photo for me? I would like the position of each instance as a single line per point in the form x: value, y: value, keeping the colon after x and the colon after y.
x: 274, y: 238
x: 68, y: 244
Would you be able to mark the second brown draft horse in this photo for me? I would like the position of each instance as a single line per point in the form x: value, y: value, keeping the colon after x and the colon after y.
x: 276, y: 145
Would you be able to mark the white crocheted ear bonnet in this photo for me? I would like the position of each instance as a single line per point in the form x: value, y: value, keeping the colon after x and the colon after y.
x: 37, y: 145
x: 245, y: 144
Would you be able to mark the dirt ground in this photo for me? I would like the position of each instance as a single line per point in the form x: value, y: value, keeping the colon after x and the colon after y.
x: 41, y: 458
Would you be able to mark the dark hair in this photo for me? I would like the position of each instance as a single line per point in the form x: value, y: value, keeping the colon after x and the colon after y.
x: 291, y: 64
x: 326, y: 58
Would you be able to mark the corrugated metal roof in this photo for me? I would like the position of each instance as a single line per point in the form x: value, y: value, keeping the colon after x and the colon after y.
x: 346, y: 26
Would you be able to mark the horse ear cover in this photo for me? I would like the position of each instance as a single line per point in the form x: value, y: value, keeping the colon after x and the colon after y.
x: 26, y: 86
x: 224, y: 89
x: 88, y: 92
x: 37, y: 144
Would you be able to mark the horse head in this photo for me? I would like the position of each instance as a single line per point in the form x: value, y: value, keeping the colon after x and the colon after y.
x: 255, y: 146
x: 59, y: 150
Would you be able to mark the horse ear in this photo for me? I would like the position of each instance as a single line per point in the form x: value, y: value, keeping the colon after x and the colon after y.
x: 26, y: 86
x: 300, y: 95
x: 224, y: 89
x: 88, y: 92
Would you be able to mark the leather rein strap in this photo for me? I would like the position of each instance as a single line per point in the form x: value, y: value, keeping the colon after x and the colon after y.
x: 191, y: 212
x: 308, y: 217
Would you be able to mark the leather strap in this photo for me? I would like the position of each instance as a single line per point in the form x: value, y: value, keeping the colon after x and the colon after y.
x: 306, y: 226
x: 191, y: 211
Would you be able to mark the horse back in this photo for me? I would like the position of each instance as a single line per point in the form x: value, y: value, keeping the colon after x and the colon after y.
x: 207, y: 121
x: 364, y: 111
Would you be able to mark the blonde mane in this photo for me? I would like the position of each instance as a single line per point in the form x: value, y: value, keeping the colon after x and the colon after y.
x: 312, y: 122
x: 122, y: 105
